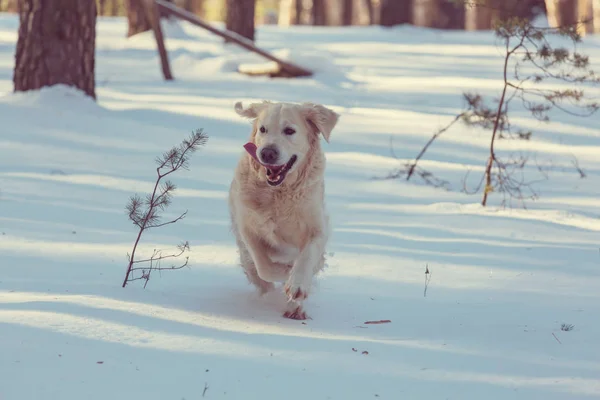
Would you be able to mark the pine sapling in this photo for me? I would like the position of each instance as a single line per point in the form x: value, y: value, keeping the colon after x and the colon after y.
x: 145, y: 213
x: 527, y: 46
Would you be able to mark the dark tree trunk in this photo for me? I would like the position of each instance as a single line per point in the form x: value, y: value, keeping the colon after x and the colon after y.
x: 480, y: 17
x: 164, y: 14
x: 240, y: 17
x: 12, y: 6
x: 193, y: 6
x: 56, y: 45
x: 101, y: 7
x: 396, y: 12
x: 505, y: 9
x: 137, y: 16
x: 566, y: 12
x: 347, y: 12
x: 319, y: 13
x: 114, y: 8
x: 298, y: 13
x: 452, y: 15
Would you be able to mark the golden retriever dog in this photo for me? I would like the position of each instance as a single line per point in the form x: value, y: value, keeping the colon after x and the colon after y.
x: 277, y: 198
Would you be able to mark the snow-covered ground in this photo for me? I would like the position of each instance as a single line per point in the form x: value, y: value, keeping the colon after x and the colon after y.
x: 502, y: 281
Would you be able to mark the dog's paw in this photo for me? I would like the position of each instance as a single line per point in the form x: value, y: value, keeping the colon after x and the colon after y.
x: 296, y: 313
x: 298, y: 286
x: 295, y: 293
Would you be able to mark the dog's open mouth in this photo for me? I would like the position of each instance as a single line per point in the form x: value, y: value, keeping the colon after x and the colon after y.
x: 275, y: 173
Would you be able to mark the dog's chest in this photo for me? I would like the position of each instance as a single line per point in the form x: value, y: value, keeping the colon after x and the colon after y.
x: 293, y: 224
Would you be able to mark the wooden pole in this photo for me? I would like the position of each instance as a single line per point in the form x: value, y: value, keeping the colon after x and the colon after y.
x: 154, y: 19
x: 289, y: 68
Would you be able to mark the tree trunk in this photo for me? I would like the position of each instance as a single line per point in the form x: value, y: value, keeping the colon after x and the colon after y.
x: 56, y: 45
x: 347, y: 11
x: 561, y: 12
x: 101, y: 7
x: 479, y: 18
x: 371, y: 10
x: 298, y: 12
x: 396, y: 12
x: 136, y: 16
x: 240, y: 17
x: 596, y: 13
x: 193, y: 6
x: 426, y: 13
x: 567, y: 12
x: 114, y: 8
x: 452, y: 15
x: 585, y: 12
x: 319, y: 13
x: 12, y: 6
x: 162, y: 13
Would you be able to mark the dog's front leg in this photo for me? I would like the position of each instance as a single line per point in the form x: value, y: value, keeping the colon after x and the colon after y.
x: 259, y: 251
x: 297, y: 287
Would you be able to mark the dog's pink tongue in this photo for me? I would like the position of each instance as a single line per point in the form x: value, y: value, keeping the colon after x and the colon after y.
x: 251, y: 149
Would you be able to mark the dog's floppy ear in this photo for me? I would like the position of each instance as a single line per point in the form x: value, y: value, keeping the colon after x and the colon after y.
x: 252, y: 110
x: 320, y: 117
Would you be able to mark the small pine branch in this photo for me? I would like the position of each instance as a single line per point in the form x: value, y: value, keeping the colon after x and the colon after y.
x: 145, y: 213
x: 525, y: 46
x: 528, y: 46
x: 566, y: 327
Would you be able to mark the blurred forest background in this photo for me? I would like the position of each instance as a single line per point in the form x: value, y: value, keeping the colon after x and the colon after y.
x: 442, y: 14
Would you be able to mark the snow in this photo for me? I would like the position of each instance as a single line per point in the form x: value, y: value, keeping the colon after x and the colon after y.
x: 502, y: 280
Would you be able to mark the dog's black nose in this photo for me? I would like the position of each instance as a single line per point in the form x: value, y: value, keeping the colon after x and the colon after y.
x: 269, y: 155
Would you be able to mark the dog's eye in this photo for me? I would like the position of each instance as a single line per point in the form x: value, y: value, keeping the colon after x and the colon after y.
x: 263, y: 129
x: 289, y: 131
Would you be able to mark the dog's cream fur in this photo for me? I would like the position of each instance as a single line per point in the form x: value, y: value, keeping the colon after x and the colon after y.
x: 282, y: 231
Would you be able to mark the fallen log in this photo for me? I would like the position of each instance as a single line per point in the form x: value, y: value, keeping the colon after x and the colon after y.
x: 286, y: 68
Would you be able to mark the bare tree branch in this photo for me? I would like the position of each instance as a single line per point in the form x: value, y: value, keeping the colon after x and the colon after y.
x: 411, y: 169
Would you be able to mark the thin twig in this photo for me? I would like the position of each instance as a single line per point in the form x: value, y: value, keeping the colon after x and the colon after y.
x: 427, y: 279
x: 411, y: 169
x: 556, y: 338
x: 182, y: 216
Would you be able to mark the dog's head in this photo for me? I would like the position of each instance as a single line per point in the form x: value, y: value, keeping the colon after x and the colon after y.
x: 285, y: 135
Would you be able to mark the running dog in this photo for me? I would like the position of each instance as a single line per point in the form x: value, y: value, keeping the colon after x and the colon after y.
x: 277, y: 198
